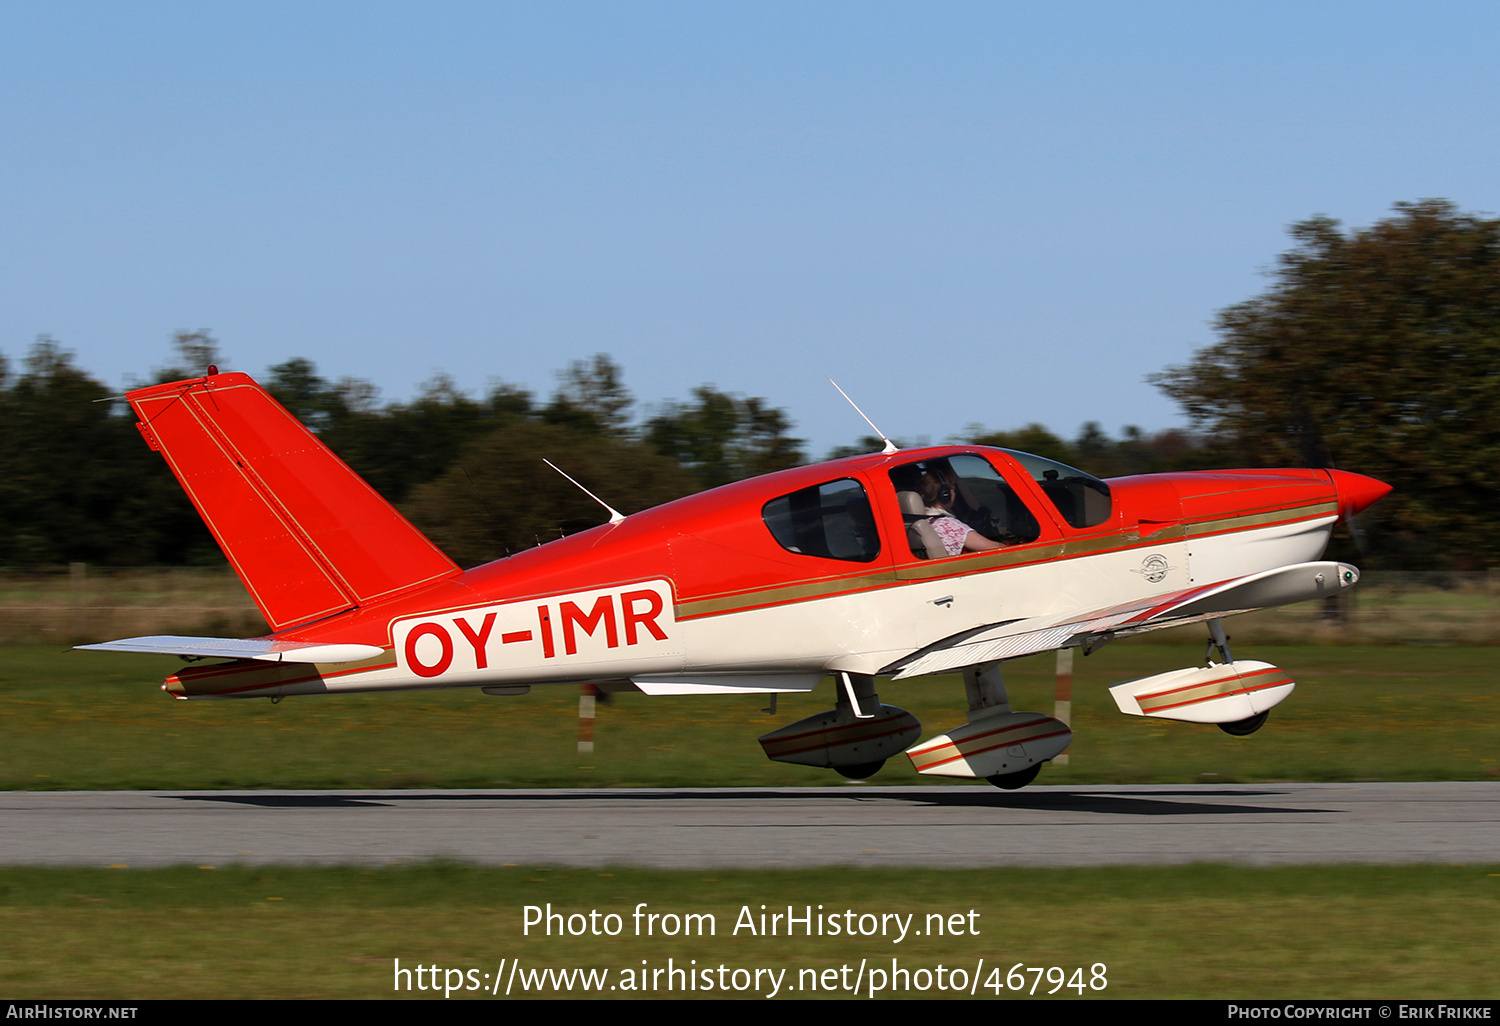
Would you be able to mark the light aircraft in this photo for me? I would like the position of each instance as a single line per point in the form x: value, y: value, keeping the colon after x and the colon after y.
x: 948, y: 558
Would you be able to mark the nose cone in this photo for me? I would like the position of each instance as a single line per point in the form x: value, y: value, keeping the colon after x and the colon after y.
x: 1356, y: 492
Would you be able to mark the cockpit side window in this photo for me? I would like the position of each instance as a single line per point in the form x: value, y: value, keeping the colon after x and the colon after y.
x: 832, y: 520
x: 956, y: 504
x: 1082, y: 499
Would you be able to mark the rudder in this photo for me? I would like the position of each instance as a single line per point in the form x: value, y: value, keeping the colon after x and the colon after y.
x: 307, y: 536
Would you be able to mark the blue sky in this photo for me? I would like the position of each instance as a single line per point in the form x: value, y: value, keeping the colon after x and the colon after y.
x: 995, y: 213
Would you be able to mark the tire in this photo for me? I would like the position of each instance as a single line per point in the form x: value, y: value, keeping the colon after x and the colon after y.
x: 1012, y: 781
x: 860, y: 771
x: 1247, y: 726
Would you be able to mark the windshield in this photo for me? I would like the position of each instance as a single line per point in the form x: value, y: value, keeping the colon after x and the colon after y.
x: 1082, y: 499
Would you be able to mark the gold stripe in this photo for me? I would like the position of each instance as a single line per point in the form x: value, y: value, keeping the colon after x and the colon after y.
x: 960, y: 751
x: 802, y: 592
x: 996, y: 559
x: 976, y: 563
x: 1257, y: 519
x: 1189, y: 695
x: 834, y: 737
x: 1192, y: 695
x: 987, y: 738
x: 251, y: 675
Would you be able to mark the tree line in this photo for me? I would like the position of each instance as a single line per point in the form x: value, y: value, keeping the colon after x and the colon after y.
x: 77, y: 483
x: 1375, y: 350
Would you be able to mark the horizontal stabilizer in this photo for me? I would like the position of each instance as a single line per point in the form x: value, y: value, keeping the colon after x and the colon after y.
x: 264, y: 649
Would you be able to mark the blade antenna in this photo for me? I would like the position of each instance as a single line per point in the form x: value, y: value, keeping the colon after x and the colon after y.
x: 890, y: 446
x: 615, y: 516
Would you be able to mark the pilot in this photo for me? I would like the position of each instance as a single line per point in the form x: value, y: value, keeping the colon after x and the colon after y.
x: 957, y: 536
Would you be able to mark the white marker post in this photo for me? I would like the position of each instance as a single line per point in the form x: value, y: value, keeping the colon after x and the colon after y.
x: 1062, y: 706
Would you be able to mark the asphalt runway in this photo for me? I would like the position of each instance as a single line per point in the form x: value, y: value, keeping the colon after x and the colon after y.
x: 1260, y: 824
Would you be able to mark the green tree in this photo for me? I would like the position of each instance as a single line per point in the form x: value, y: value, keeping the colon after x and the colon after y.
x: 1378, y: 351
x: 76, y: 481
x: 592, y: 397
x: 1032, y: 438
x: 1097, y: 453
x: 404, y: 445
x: 195, y: 352
x: 498, y: 496
x: 297, y: 385
x: 722, y: 437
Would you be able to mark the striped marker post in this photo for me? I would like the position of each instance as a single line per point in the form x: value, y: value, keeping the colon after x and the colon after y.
x: 1062, y: 706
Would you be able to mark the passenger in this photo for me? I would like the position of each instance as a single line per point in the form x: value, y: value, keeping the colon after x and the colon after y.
x: 956, y: 535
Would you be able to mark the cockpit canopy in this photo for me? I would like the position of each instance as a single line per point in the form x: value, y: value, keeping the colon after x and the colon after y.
x: 950, y: 504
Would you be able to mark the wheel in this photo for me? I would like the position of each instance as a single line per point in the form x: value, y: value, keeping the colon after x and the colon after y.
x: 1247, y: 726
x: 1011, y: 781
x: 861, y: 770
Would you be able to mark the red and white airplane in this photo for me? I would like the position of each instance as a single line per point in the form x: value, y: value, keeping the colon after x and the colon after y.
x: 882, y: 566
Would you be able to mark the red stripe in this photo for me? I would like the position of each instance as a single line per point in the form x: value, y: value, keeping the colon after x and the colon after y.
x: 294, y: 680
x: 778, y: 742
x: 1284, y: 679
x: 965, y: 754
x: 988, y: 733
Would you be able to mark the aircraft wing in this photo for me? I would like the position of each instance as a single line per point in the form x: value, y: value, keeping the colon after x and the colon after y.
x: 264, y: 649
x: 1012, y: 638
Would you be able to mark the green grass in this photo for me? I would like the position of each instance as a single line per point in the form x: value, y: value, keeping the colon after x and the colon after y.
x: 95, y: 720
x: 1183, y: 932
x: 84, y: 720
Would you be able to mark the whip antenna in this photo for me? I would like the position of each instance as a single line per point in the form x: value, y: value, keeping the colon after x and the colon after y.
x: 890, y: 446
x: 615, y: 516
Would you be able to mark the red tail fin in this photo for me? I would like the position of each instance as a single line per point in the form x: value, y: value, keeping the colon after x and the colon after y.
x: 305, y: 533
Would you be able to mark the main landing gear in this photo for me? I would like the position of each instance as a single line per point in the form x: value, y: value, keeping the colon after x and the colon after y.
x: 1004, y: 747
x: 1218, y: 643
x: 853, y: 739
x: 1234, y: 696
x: 857, y: 737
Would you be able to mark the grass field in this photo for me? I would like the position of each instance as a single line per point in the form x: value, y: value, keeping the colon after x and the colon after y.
x: 85, y: 720
x: 66, y: 606
x: 1183, y: 932
x: 95, y: 720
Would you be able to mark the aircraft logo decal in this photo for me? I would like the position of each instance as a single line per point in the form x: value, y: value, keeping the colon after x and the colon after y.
x: 1155, y: 568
